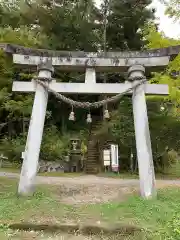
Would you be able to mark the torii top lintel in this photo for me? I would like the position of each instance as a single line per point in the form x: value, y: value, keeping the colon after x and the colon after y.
x: 153, y: 60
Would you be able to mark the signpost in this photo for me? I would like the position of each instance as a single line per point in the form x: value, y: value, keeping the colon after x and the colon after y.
x: 107, y: 157
x: 114, y: 158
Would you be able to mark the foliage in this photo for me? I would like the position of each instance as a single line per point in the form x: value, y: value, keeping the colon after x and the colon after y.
x: 19, y: 107
x: 164, y: 134
x: 83, y: 149
x: 163, y: 130
x: 12, y: 148
x: 23, y: 36
x: 54, y: 146
x: 171, y: 76
x: 70, y: 26
x: 173, y: 9
x: 122, y: 128
x: 167, y: 123
x: 15, y: 108
x: 9, y: 14
x: 124, y: 24
x: 157, y: 39
x: 172, y: 167
x: 163, y: 112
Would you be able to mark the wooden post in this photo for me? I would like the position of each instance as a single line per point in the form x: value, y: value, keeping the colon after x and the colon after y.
x: 33, y: 144
x: 143, y: 142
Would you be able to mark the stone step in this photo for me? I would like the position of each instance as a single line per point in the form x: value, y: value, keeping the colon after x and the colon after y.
x: 90, y: 148
x: 93, y: 145
x: 92, y: 156
x: 93, y: 168
x: 92, y: 153
x: 90, y: 168
x: 92, y: 161
x: 91, y: 164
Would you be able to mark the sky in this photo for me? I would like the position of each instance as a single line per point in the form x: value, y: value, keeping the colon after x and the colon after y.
x: 166, y: 24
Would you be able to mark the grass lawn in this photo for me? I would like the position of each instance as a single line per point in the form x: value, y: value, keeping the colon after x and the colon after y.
x: 47, y: 174
x: 11, y: 170
x: 43, y: 207
x: 159, y: 218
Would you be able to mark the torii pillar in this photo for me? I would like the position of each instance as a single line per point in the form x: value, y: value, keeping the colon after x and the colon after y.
x: 34, y: 138
x: 142, y: 134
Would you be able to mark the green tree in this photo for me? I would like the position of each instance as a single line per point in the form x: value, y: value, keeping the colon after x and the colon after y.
x: 171, y: 76
x: 15, y: 108
x: 68, y: 25
x: 173, y: 9
x: 124, y: 21
x: 9, y: 13
x: 163, y: 112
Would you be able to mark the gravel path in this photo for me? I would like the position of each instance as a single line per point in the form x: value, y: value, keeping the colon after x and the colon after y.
x: 41, y: 236
x: 89, y: 189
x: 85, y: 180
x: 88, y: 179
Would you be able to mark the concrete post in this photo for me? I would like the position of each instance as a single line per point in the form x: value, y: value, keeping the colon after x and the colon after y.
x: 143, y: 142
x: 33, y: 142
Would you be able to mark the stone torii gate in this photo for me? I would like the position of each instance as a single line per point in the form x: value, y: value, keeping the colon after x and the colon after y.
x: 135, y: 63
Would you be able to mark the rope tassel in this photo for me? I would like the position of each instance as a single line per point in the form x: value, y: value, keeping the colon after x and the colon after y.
x: 72, y: 115
x: 89, y: 118
x: 106, y: 114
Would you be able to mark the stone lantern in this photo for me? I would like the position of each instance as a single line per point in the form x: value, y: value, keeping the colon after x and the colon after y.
x: 75, y: 145
x: 75, y: 155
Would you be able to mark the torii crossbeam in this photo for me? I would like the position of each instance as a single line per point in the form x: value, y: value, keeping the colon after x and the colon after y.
x: 135, y: 63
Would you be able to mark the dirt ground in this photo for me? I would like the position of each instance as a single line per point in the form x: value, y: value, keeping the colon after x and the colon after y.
x: 89, y: 189
x: 42, y: 236
x: 92, y: 193
x: 20, y: 235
